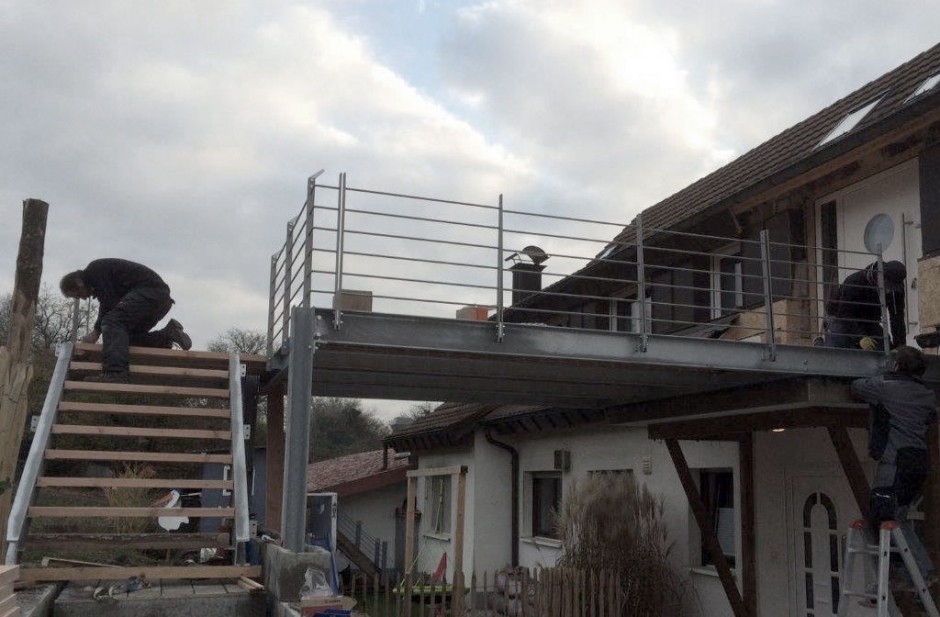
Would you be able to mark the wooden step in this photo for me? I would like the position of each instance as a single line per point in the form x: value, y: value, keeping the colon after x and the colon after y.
x: 118, y: 512
x: 126, y: 431
x: 155, y: 457
x: 136, y: 541
x: 53, y: 481
x: 147, y: 410
x: 151, y: 573
x: 130, y: 388
x: 255, y: 364
x: 148, y: 374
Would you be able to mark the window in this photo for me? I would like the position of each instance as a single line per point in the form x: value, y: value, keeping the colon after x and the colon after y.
x: 625, y: 314
x: 928, y: 85
x: 849, y: 122
x: 727, y: 282
x: 546, y: 500
x: 717, y: 489
x: 437, y: 499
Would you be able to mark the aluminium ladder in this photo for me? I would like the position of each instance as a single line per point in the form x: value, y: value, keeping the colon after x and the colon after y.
x: 890, y: 540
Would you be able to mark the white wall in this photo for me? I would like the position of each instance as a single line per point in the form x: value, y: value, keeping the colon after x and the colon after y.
x: 376, y: 510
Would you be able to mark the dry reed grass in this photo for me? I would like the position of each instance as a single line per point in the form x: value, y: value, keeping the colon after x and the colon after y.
x: 608, y: 523
x: 131, y: 498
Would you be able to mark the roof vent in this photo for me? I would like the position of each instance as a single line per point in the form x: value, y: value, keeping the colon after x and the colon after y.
x: 526, y: 272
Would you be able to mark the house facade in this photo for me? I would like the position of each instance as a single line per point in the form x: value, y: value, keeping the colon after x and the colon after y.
x: 775, y: 466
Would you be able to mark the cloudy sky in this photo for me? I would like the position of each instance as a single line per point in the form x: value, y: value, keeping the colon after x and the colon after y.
x: 180, y: 134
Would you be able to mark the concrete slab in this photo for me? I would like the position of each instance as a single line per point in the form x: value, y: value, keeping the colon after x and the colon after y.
x: 176, y: 599
x: 36, y: 601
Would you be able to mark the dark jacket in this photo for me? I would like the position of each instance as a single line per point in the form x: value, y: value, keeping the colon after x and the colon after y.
x: 111, y: 279
x: 902, y: 410
x: 856, y: 303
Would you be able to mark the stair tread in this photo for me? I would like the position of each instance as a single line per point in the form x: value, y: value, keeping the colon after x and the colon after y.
x: 177, y: 357
x: 151, y: 573
x: 180, y: 483
x: 127, y: 431
x: 130, y: 388
x: 108, y: 511
x: 148, y: 372
x: 128, y: 540
x: 124, y: 455
x: 165, y: 410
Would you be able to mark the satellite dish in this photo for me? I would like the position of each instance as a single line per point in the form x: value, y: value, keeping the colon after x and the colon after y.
x: 878, y: 233
x: 536, y: 254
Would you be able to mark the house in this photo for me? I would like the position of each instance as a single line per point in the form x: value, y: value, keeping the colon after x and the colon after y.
x: 776, y: 463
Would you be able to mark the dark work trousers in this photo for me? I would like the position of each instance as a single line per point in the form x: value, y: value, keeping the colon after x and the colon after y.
x: 129, y: 323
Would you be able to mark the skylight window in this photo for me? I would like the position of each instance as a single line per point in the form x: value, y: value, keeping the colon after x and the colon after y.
x: 850, y: 121
x: 928, y: 84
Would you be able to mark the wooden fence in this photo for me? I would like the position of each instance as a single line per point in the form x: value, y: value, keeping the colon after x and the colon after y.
x: 547, y: 592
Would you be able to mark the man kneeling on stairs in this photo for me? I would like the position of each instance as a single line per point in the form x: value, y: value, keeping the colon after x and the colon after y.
x: 902, y: 410
x: 132, y: 298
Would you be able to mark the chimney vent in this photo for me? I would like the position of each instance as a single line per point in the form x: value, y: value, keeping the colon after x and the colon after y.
x: 526, y: 272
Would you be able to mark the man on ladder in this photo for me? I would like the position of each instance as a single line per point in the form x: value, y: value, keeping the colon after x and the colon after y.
x: 902, y: 410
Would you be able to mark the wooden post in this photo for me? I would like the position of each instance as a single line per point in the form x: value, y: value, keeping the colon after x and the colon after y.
x: 409, y: 535
x: 458, y: 538
x: 851, y: 466
x: 16, y: 371
x: 274, y: 494
x: 748, y: 542
x: 707, y: 528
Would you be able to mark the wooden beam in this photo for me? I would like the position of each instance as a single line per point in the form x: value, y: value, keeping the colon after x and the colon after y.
x: 132, y: 388
x: 128, y: 540
x: 707, y: 528
x: 127, y: 431
x: 274, y: 494
x: 410, y: 509
x: 437, y: 471
x: 145, y: 410
x: 158, y: 457
x: 732, y: 427
x: 151, y: 573
x: 134, y: 483
x: 851, y: 466
x: 92, y: 511
x: 748, y: 520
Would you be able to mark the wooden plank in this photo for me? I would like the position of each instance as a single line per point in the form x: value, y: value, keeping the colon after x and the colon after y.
x: 106, y: 512
x: 852, y: 467
x: 9, y: 606
x: 133, y: 483
x: 437, y: 471
x: 178, y: 357
x: 8, y: 574
x: 137, y: 370
x: 146, y: 410
x: 459, y: 527
x: 157, y: 457
x: 748, y: 523
x: 6, y: 590
x: 130, y: 388
x: 126, y: 431
x: 127, y: 540
x: 151, y: 573
x: 274, y: 498
x: 707, y: 528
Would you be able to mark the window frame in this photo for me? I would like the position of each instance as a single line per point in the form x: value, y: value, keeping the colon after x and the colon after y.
x: 537, y: 527
x: 438, y: 503
x: 730, y: 251
x: 724, y: 477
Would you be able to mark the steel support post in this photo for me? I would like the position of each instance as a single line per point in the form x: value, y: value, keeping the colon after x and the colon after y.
x: 885, y: 323
x: 76, y: 305
x: 768, y: 294
x: 297, y: 442
x: 340, y: 231
x: 500, y: 330
x: 308, y: 237
x: 272, y: 303
x: 288, y: 262
x: 641, y: 283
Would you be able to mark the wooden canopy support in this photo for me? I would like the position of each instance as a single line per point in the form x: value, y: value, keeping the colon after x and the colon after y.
x: 851, y: 466
x: 748, y: 521
x: 707, y: 528
x: 733, y: 427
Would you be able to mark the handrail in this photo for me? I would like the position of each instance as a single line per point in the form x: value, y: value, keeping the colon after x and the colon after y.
x: 239, y: 471
x: 25, y: 490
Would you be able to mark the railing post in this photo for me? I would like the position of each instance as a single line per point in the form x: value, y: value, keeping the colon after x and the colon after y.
x: 768, y: 294
x: 288, y: 262
x: 885, y: 322
x: 340, y: 229
x: 500, y: 332
x: 641, y: 282
x: 308, y: 237
x: 272, y: 303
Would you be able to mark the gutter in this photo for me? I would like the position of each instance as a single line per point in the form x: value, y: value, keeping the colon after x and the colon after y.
x: 514, y: 465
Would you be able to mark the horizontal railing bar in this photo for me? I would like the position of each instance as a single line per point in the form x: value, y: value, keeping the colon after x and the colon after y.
x: 432, y: 240
x: 694, y: 235
x: 419, y: 218
x: 419, y: 198
x: 566, y: 218
x: 541, y: 234
x: 416, y: 259
x: 403, y: 279
x: 821, y: 248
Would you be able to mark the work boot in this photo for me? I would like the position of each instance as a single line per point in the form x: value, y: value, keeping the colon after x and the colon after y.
x: 108, y: 378
x: 174, y: 330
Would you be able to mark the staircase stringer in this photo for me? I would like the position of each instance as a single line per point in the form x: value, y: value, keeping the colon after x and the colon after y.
x: 239, y: 468
x: 17, y: 524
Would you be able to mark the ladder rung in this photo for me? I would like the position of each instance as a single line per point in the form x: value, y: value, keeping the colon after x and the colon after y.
x: 127, y: 540
x: 130, y: 388
x: 158, y: 457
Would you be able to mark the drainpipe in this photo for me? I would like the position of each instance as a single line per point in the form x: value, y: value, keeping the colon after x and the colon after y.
x: 514, y: 457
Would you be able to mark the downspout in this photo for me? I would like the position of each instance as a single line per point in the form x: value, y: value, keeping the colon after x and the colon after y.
x: 514, y: 457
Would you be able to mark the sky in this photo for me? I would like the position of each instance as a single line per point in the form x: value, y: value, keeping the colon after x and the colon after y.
x: 180, y: 134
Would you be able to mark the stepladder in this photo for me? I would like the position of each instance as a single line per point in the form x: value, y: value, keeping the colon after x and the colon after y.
x: 875, y: 558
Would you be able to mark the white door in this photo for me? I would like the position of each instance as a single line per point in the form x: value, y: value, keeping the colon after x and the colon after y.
x: 821, y: 509
x: 895, y: 193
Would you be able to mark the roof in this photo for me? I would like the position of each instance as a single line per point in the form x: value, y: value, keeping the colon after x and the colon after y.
x: 356, y: 473
x: 798, y: 144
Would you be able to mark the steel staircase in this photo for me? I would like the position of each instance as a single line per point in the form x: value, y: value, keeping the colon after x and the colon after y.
x: 181, y: 411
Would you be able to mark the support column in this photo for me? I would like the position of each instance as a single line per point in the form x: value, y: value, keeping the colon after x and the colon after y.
x: 297, y: 444
x: 707, y: 527
x: 748, y: 540
x: 274, y: 493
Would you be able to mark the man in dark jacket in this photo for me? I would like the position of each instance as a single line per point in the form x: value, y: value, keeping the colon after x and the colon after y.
x: 853, y: 312
x: 132, y: 299
x: 902, y: 410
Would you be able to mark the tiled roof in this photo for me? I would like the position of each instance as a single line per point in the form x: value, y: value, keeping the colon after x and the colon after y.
x: 446, y: 416
x: 355, y: 473
x: 798, y: 144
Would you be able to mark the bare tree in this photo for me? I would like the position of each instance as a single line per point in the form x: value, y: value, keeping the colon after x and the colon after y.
x: 240, y: 340
x: 53, y: 322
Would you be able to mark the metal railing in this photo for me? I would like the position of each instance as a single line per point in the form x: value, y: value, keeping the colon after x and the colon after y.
x: 405, y: 254
x: 367, y: 544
